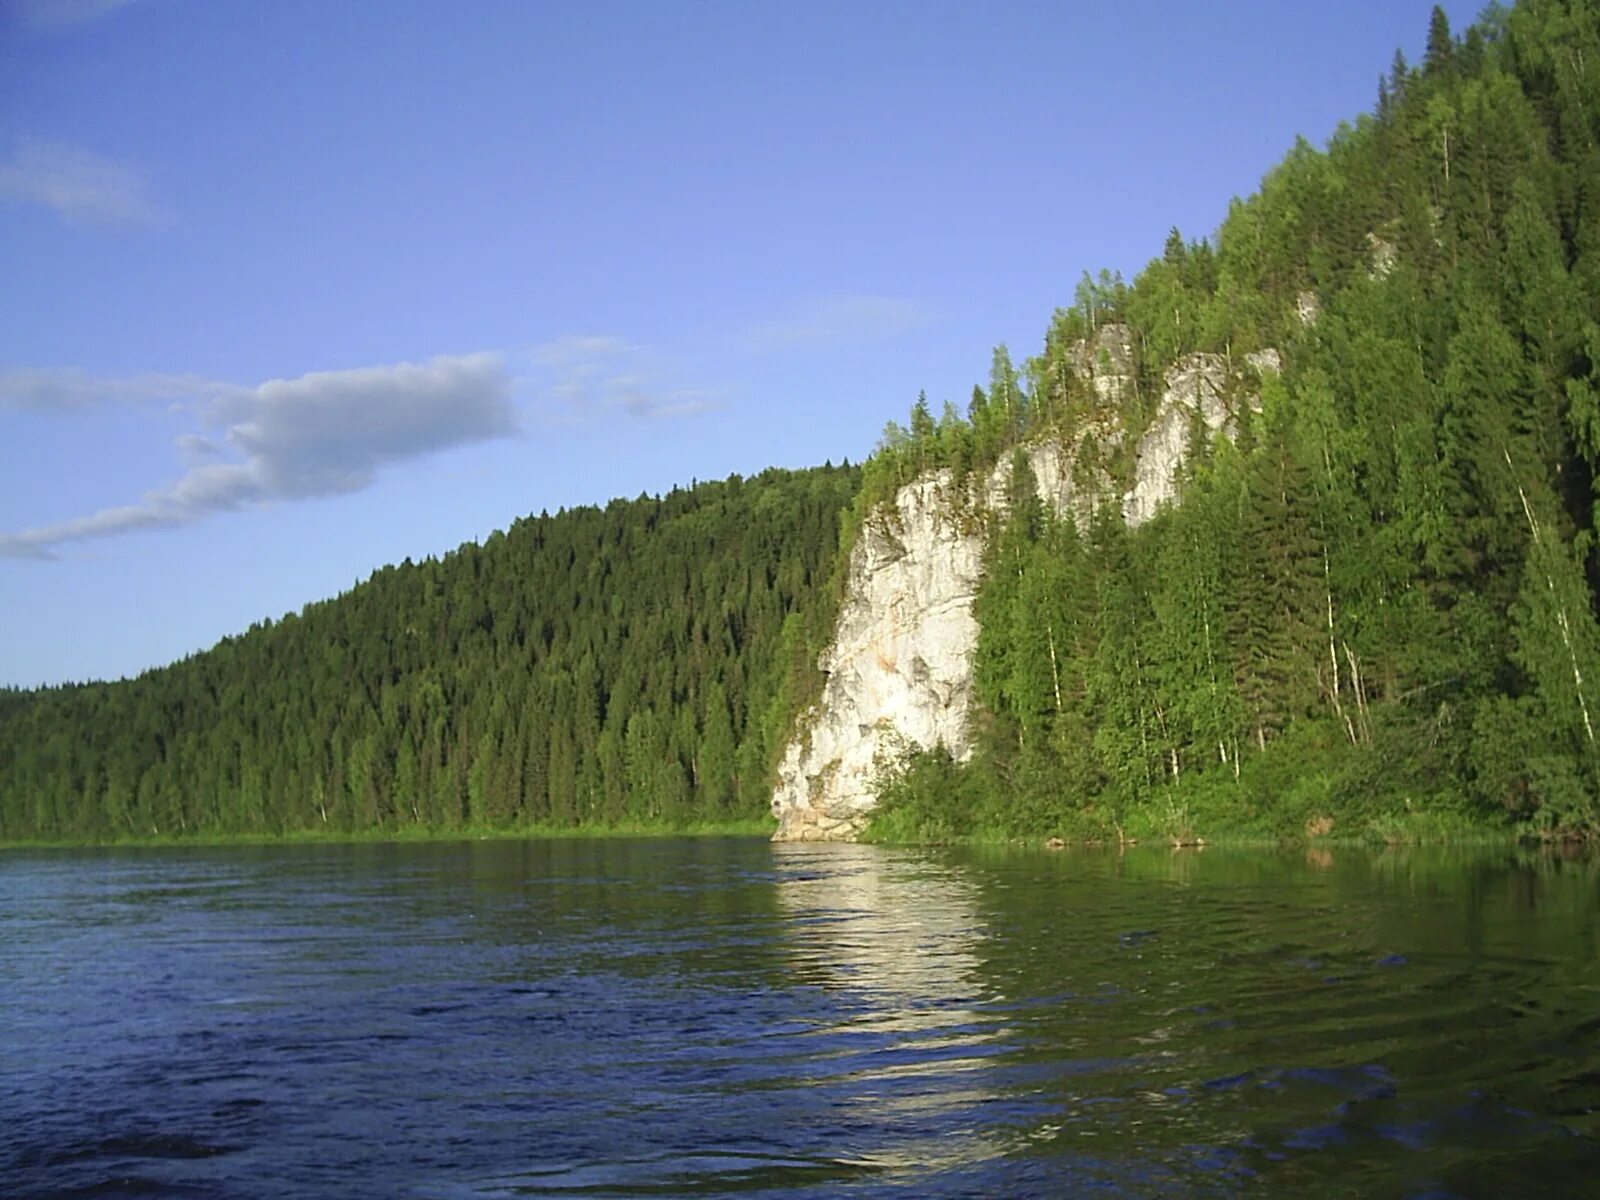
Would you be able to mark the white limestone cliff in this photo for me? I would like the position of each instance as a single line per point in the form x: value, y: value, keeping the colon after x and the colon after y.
x: 899, y: 671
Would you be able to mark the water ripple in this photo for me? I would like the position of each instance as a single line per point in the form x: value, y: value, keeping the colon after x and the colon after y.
x: 732, y: 1018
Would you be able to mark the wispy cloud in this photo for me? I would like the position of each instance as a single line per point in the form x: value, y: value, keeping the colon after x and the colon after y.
x: 80, y: 186
x: 67, y: 389
x: 321, y: 434
x: 59, y: 14
x: 591, y: 376
x: 196, y: 447
x: 828, y: 320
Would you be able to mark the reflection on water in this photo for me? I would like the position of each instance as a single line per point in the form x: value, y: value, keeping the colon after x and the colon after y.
x: 892, y: 938
x: 723, y: 1016
x: 900, y: 933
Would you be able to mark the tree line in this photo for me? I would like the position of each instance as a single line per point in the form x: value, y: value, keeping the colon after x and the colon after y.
x: 627, y: 664
x: 1374, y: 608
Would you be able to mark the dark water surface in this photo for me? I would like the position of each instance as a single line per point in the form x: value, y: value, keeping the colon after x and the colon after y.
x: 727, y: 1017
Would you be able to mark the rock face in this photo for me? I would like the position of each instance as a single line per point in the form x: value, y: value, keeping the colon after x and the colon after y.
x: 899, y: 672
x: 1055, y: 474
x: 1106, y: 360
x: 1382, y: 254
x: 1191, y: 401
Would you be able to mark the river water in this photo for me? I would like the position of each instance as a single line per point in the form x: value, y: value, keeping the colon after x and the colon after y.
x: 728, y: 1017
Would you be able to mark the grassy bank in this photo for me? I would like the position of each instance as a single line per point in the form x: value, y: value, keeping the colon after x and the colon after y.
x: 747, y: 827
x: 921, y: 821
x: 1421, y: 833
x: 1280, y: 798
x: 1311, y: 785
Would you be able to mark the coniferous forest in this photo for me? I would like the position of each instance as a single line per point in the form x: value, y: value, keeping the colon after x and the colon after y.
x: 1372, y: 612
x: 1374, y: 609
x: 624, y: 665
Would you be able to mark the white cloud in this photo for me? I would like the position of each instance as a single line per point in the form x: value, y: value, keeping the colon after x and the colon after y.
x: 323, y: 434
x: 195, y: 446
x: 828, y: 320
x: 685, y: 402
x: 80, y: 186
x: 588, y: 376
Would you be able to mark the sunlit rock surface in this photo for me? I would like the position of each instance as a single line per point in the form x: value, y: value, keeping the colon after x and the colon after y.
x: 899, y: 672
x: 1191, y: 400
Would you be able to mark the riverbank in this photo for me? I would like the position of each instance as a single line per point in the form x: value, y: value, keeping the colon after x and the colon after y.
x: 1177, y: 828
x: 747, y: 827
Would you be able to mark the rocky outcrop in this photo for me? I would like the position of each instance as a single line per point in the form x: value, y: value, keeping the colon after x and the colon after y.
x: 1307, y: 308
x: 1065, y: 480
x: 1193, y: 394
x: 1202, y: 397
x: 1264, y: 362
x: 1106, y: 360
x: 899, y: 672
x: 1382, y: 255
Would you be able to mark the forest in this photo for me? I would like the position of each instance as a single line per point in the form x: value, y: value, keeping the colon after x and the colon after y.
x: 630, y: 666
x: 1372, y: 613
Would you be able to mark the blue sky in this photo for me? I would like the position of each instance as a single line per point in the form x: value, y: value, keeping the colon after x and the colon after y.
x: 292, y: 289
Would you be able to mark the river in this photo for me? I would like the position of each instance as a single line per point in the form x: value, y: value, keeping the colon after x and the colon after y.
x: 727, y: 1017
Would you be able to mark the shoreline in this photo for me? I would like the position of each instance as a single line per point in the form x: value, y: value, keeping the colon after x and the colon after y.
x: 748, y: 827
x: 1420, y: 834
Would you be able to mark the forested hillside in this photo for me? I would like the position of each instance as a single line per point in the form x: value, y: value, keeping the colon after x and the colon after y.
x: 1373, y: 610
x: 600, y: 666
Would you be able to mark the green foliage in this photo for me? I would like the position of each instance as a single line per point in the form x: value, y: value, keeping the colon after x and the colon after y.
x: 629, y: 665
x: 926, y: 798
x: 1374, y: 612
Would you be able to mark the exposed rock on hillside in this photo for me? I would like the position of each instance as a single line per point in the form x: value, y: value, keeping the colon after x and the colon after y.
x: 1194, y: 390
x: 899, y: 672
x: 1381, y: 257
x: 1265, y: 361
x: 1107, y: 361
x: 1196, y: 399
